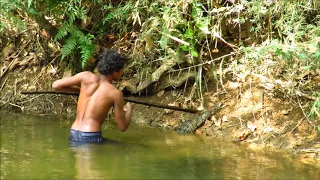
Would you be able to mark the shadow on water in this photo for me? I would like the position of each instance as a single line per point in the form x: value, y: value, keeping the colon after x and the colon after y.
x: 38, y: 148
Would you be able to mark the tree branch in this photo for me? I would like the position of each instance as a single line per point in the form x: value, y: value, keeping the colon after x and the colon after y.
x: 126, y: 99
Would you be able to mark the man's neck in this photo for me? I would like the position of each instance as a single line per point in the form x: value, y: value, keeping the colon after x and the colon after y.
x: 108, y: 78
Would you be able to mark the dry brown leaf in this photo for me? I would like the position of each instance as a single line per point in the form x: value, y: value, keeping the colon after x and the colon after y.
x: 251, y: 126
x: 225, y: 118
x: 267, y: 129
x: 67, y: 73
x: 7, y: 50
x: 232, y: 85
x: 160, y: 93
x: 216, y: 121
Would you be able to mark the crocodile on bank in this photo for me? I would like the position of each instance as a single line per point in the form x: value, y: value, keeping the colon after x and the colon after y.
x: 191, y: 125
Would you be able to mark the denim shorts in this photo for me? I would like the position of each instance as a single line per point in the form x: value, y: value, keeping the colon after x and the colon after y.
x: 80, y: 137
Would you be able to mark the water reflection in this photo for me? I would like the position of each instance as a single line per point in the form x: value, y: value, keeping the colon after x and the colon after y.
x: 33, y: 147
x: 148, y: 160
x: 37, y: 147
x: 85, y: 163
x: 90, y: 160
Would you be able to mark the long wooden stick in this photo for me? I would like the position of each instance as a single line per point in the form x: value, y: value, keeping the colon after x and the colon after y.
x: 126, y: 99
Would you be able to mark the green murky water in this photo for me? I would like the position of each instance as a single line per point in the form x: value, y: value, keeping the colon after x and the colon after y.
x: 37, y: 148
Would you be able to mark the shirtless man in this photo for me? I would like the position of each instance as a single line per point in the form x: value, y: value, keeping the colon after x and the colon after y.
x: 97, y: 96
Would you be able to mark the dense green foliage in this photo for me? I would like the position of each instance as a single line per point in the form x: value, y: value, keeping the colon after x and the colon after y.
x: 196, y: 26
x: 278, y: 39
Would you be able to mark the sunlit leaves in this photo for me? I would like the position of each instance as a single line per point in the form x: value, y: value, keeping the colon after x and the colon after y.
x: 29, y: 3
x: 118, y: 16
x: 315, y: 109
x: 200, y: 21
x: 203, y: 25
x: 185, y: 48
x: 197, y: 11
x: 189, y: 33
x: 194, y: 53
x: 163, y: 41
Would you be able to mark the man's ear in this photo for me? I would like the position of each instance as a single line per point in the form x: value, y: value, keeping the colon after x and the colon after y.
x: 120, y: 72
x: 117, y: 74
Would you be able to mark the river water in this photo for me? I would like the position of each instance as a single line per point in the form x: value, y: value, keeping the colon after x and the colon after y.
x: 34, y: 147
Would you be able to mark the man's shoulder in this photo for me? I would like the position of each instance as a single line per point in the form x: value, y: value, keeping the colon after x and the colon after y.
x: 88, y: 76
x: 116, y: 94
x: 86, y: 73
x: 110, y: 88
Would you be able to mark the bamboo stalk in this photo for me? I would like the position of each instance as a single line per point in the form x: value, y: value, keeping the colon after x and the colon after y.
x: 126, y: 99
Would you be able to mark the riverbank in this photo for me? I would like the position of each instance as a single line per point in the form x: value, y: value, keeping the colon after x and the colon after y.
x: 256, y: 111
x: 249, y: 115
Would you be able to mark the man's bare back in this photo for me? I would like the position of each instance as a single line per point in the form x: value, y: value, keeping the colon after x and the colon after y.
x: 97, y: 95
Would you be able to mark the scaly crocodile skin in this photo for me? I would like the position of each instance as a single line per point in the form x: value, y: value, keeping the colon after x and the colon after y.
x: 191, y: 125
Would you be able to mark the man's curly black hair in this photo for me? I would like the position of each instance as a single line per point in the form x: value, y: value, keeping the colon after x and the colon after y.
x: 110, y: 61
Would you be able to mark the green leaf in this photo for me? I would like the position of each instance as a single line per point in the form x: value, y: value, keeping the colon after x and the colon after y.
x: 63, y: 31
x: 185, y: 48
x: 203, y: 25
x: 315, y: 109
x: 69, y: 46
x: 316, y: 55
x: 29, y: 3
x: 86, y: 54
x: 307, y: 67
x: 194, y: 53
x: 86, y: 39
x: 163, y: 41
x: 278, y: 51
x: 108, y: 18
x: 31, y: 11
x: 197, y: 11
x: 189, y: 33
x: 302, y: 56
x: 72, y: 18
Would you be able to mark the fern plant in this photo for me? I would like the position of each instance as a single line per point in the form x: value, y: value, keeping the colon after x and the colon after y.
x: 75, y: 39
x: 118, y: 15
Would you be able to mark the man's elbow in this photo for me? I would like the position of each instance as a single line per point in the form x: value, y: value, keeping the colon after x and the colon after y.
x: 55, y: 85
x: 123, y: 128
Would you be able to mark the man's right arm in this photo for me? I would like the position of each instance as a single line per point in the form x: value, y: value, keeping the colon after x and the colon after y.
x: 72, y: 84
x: 123, y: 112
